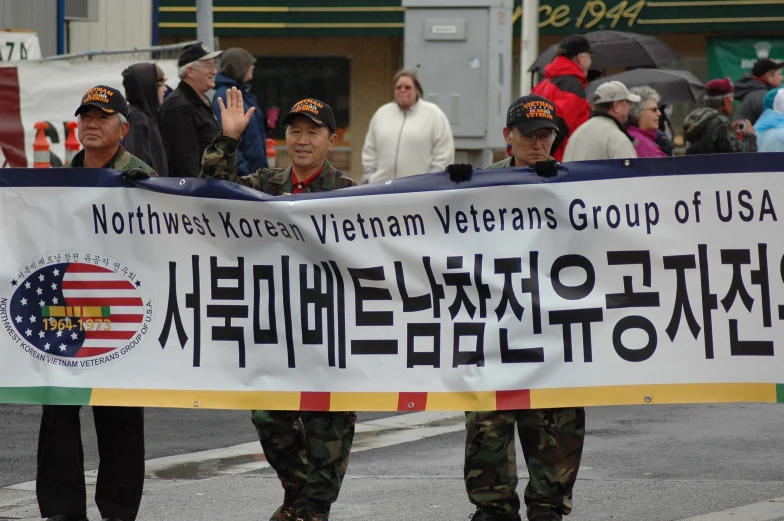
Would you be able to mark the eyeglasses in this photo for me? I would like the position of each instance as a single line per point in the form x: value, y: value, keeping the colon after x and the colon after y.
x: 546, y: 138
x: 655, y: 110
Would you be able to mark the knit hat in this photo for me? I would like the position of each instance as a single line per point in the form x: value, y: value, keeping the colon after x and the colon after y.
x: 719, y: 87
x: 571, y: 46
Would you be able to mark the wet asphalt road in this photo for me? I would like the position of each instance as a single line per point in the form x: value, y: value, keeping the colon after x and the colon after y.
x: 167, y: 432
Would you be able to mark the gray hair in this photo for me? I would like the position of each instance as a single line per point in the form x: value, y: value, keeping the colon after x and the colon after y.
x: 714, y: 102
x: 183, y: 71
x: 645, y: 93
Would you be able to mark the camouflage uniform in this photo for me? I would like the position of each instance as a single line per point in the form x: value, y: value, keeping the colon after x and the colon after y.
x: 122, y: 160
x: 552, y: 442
x: 220, y: 162
x: 708, y: 131
x: 308, y: 450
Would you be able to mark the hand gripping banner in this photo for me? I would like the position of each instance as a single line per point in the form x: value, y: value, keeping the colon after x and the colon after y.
x: 615, y: 282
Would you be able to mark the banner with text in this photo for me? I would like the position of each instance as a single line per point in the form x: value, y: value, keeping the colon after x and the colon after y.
x: 644, y: 281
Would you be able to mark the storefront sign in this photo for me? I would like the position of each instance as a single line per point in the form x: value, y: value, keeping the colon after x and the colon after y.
x: 19, y: 45
x: 733, y: 57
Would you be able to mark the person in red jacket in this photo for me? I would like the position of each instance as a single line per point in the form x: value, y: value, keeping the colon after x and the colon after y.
x: 564, y: 85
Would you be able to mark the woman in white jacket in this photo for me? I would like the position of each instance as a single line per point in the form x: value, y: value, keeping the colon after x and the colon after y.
x: 407, y: 136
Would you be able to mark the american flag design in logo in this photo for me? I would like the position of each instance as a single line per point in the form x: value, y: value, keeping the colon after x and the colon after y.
x: 77, y: 310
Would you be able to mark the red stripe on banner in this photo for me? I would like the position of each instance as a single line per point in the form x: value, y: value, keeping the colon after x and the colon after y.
x: 104, y: 301
x: 109, y: 335
x: 97, y: 284
x: 86, y: 352
x: 312, y: 401
x: 411, y: 401
x: 125, y: 319
x: 11, y: 129
x: 87, y: 268
x: 512, y: 400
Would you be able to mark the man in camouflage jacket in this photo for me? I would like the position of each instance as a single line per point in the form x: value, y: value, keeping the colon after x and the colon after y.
x: 708, y: 129
x: 308, y: 450
x: 552, y: 439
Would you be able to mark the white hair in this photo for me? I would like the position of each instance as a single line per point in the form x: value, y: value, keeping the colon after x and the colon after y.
x: 183, y: 71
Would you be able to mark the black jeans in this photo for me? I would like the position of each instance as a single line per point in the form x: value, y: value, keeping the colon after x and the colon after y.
x: 60, y: 483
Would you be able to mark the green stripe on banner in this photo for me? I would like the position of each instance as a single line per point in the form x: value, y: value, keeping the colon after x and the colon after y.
x: 46, y: 395
x: 779, y: 393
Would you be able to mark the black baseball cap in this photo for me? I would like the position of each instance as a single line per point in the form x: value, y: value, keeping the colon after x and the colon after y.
x: 107, y: 99
x: 195, y: 52
x: 571, y: 46
x: 765, y: 65
x: 317, y: 111
x: 531, y: 113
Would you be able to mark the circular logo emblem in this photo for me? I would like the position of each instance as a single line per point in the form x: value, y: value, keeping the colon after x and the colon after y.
x: 76, y: 310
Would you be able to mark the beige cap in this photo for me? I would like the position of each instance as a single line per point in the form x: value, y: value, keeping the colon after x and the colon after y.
x: 613, y: 91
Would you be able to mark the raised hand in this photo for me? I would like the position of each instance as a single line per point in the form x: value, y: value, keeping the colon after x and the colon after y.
x: 233, y: 116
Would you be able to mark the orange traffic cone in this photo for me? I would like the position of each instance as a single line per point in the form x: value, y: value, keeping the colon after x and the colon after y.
x: 72, y: 144
x: 41, y: 146
x: 272, y: 154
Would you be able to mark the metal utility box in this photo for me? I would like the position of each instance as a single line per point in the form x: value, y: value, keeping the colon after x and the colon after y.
x: 462, y: 52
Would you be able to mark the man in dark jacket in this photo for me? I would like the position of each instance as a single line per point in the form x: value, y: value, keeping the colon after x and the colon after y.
x: 144, y: 88
x: 708, y: 129
x: 237, y: 67
x: 751, y: 88
x: 59, y: 481
x: 187, y: 121
x: 564, y: 85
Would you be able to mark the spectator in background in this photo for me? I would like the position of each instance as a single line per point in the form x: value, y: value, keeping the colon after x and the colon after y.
x: 751, y: 88
x: 643, y: 124
x: 564, y: 84
x: 407, y: 136
x: 604, y: 135
x: 188, y: 124
x: 708, y: 129
x: 145, y: 85
x: 237, y: 67
x: 770, y: 126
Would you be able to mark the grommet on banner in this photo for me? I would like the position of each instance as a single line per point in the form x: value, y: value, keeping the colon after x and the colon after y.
x: 627, y: 163
x: 272, y: 154
x: 648, y: 398
x: 41, y: 146
x: 72, y: 144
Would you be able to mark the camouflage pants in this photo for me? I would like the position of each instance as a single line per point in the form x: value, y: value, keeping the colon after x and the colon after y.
x: 309, y: 450
x: 552, y: 441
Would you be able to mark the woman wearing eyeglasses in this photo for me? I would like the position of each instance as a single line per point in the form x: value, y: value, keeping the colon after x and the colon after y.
x: 643, y: 125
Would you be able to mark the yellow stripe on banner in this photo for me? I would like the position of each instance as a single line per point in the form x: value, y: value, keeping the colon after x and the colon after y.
x: 478, y: 401
x: 247, y: 400
x: 653, y: 394
x: 363, y: 401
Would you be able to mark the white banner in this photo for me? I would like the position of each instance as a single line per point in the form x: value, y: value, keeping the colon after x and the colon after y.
x: 51, y: 91
x: 19, y: 45
x: 594, y: 288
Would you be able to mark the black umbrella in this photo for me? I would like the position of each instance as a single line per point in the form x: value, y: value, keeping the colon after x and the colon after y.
x: 612, y: 49
x: 672, y: 85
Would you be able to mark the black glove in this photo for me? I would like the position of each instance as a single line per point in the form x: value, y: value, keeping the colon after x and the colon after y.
x: 546, y: 168
x: 460, y: 172
x: 135, y: 174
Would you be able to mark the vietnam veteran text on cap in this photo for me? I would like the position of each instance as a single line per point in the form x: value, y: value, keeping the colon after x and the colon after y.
x: 105, y: 98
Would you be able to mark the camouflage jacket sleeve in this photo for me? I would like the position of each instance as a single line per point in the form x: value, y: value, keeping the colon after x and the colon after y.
x: 726, y: 138
x: 220, y: 162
